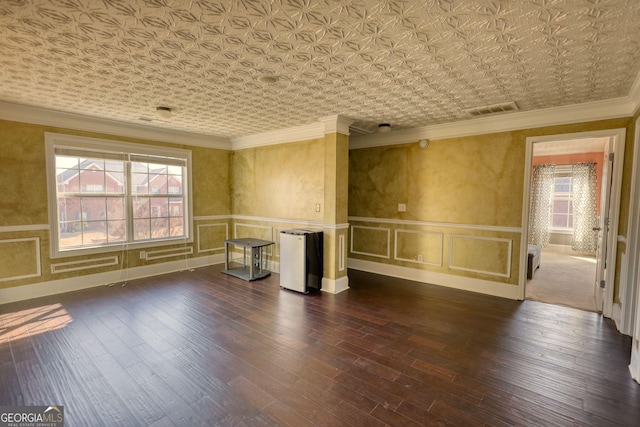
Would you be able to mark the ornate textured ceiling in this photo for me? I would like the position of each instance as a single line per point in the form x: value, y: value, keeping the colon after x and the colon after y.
x: 408, y: 63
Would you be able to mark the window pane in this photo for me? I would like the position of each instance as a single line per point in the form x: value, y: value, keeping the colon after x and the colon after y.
x: 174, y: 170
x: 141, y: 229
x: 159, y: 228
x: 560, y: 206
x: 175, y: 207
x: 175, y: 184
x: 66, y: 162
x: 140, y: 183
x: 111, y: 185
x: 158, y: 183
x: 114, y: 166
x: 95, y: 232
x: 562, y: 184
x: 115, y: 208
x: 94, y: 208
x: 176, y: 227
x: 91, y: 181
x: 139, y: 167
x: 159, y: 207
x: 141, y: 207
x: 559, y: 221
x: 91, y: 164
x: 67, y: 180
x: 69, y: 209
x: 71, y: 236
x: 116, y: 231
x: 115, y: 182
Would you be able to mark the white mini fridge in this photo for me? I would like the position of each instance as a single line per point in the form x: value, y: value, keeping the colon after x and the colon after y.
x: 301, y: 255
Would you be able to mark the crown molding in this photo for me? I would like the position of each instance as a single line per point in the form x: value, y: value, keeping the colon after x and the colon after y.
x: 634, y: 94
x: 42, y: 116
x: 599, y: 110
x: 336, y: 124
x: 280, y: 136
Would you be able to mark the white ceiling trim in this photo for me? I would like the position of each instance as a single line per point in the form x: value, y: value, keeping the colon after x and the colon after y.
x: 281, y: 136
x: 45, y: 117
x: 599, y: 110
x: 634, y: 94
x: 325, y: 125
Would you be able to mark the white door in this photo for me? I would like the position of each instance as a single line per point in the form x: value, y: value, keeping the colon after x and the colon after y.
x: 603, y: 227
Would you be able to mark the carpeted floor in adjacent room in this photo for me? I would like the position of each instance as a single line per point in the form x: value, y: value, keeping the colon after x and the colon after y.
x: 564, y: 279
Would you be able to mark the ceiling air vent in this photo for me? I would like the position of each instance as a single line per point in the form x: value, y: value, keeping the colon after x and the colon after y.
x: 505, y: 107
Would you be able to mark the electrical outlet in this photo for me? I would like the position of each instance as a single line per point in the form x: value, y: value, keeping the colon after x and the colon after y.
x: 419, y: 258
x: 143, y: 255
x: 402, y: 207
x: 317, y: 207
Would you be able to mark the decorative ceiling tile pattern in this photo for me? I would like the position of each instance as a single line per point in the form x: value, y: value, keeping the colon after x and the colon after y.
x: 408, y: 63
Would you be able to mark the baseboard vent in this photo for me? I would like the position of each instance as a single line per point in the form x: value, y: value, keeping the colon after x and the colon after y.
x: 505, y: 107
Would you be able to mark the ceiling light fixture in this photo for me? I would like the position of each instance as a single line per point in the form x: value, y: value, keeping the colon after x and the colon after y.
x: 268, y: 79
x: 163, y: 112
x: 384, y: 127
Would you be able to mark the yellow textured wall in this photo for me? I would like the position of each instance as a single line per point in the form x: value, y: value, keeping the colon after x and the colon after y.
x: 24, y: 202
x: 469, y: 181
x: 22, y: 174
x: 461, y: 180
x: 283, y: 181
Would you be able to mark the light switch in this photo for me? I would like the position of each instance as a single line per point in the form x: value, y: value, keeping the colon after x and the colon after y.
x: 317, y: 207
x: 402, y: 207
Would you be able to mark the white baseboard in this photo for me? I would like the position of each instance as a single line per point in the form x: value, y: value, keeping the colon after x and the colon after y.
x: 36, y: 290
x: 335, y: 286
x: 448, y: 280
x: 634, y: 366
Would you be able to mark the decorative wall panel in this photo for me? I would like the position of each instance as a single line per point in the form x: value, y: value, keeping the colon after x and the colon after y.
x: 370, y: 241
x: 85, y: 264
x: 211, y: 237
x: 484, y: 255
x: 20, y: 258
x: 421, y: 247
x: 169, y: 253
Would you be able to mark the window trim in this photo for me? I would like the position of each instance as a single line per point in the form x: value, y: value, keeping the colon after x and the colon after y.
x: 53, y: 140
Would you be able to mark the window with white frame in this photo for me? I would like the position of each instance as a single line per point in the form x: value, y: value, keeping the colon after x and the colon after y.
x: 562, y: 207
x: 106, y: 194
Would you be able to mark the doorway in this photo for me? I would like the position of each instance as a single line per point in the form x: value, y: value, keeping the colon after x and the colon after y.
x: 571, y: 271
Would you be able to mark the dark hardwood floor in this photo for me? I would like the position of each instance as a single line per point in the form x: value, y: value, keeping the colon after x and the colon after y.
x: 203, y: 348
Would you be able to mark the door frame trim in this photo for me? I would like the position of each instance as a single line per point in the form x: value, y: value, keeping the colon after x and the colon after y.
x: 618, y: 138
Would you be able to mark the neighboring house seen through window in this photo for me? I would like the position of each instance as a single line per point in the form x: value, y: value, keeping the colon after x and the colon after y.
x: 110, y: 193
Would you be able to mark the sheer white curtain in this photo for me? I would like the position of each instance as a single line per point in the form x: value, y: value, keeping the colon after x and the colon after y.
x: 585, y: 211
x: 541, y: 204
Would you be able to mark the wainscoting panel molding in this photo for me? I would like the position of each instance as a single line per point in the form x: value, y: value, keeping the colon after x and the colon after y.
x: 168, y: 253
x: 466, y: 254
x: 84, y: 264
x: 209, y: 236
x: 26, y: 265
x: 382, y: 241
x: 428, y: 246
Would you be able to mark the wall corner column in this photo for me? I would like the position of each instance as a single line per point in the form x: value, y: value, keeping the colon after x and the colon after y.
x: 336, y: 190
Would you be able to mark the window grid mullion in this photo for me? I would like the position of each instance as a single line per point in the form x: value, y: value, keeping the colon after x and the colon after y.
x: 128, y: 200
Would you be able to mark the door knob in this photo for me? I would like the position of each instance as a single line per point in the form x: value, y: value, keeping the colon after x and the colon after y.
x: 596, y: 228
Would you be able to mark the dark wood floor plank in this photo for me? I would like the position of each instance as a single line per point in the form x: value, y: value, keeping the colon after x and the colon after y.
x: 204, y: 348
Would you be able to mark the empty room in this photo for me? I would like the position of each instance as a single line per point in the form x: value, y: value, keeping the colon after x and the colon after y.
x: 281, y: 212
